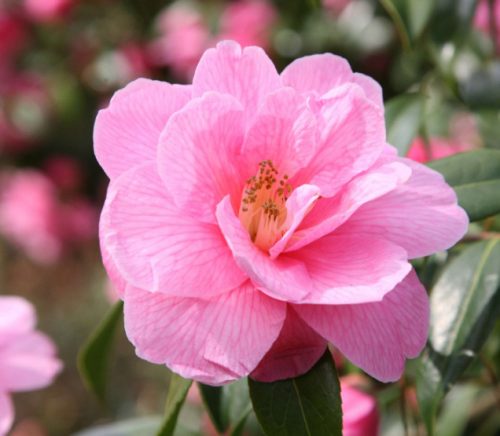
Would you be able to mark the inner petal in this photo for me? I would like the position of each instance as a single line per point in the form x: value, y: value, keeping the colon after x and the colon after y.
x: 263, y: 205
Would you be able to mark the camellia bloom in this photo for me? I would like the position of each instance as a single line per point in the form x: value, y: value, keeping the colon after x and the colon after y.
x: 27, y: 357
x: 253, y: 217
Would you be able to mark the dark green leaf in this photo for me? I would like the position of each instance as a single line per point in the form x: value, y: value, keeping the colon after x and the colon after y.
x: 452, y: 19
x: 403, y: 117
x: 94, y: 355
x: 465, y: 303
x: 177, y: 392
x: 228, y: 406
x: 306, y: 405
x: 475, y: 176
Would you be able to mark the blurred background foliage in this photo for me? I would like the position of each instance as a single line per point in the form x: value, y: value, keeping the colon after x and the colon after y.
x: 61, y: 60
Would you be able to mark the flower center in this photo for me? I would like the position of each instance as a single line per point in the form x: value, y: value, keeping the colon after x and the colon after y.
x: 263, y: 205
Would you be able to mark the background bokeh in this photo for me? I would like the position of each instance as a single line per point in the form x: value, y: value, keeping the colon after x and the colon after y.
x: 61, y: 60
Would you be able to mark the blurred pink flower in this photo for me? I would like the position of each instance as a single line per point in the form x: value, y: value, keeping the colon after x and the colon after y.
x: 64, y: 172
x: 248, y: 22
x: 463, y: 137
x: 482, y: 20
x: 28, y: 214
x: 13, y: 37
x: 184, y: 36
x: 253, y: 217
x: 336, y: 6
x: 360, y: 413
x: 33, y: 218
x: 27, y: 357
x: 47, y: 10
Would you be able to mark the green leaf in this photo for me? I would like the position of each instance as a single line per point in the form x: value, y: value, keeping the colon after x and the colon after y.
x: 482, y: 89
x: 418, y: 13
x: 94, y: 355
x: 228, y: 406
x: 306, y: 405
x: 177, y: 392
x: 403, y: 117
x: 475, y: 176
x: 452, y: 19
x: 465, y: 303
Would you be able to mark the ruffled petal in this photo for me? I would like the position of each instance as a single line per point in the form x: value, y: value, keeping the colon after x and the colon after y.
x: 377, y: 337
x: 197, y: 156
x: 284, y: 131
x: 213, y: 341
x: 317, y: 73
x: 155, y: 247
x: 6, y: 413
x: 352, y: 139
x: 282, y: 278
x: 421, y: 215
x: 330, y: 213
x: 351, y: 269
x: 296, y: 350
x: 127, y: 132
x: 18, y: 315
x: 247, y: 74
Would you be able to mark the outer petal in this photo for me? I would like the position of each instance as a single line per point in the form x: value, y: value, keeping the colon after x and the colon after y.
x: 16, y: 315
x: 213, y: 341
x: 282, y: 278
x: 377, y: 336
x: 422, y: 215
x: 6, y: 413
x: 247, y: 74
x: 127, y: 132
x: 330, y: 213
x: 352, y: 269
x: 198, y: 153
x: 156, y: 248
x: 352, y: 138
x: 296, y: 350
x: 317, y: 73
x: 28, y: 363
x: 284, y: 131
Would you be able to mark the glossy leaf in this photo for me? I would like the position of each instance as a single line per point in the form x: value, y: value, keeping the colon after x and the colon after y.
x: 306, y: 405
x: 403, y: 117
x: 228, y: 406
x: 177, y: 392
x: 475, y: 176
x: 465, y: 302
x: 94, y: 355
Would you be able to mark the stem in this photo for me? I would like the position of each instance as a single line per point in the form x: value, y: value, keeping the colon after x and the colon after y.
x: 398, y: 23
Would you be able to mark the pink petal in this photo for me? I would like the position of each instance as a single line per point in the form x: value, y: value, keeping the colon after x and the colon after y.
x: 298, y: 206
x: 213, y: 341
x: 28, y: 363
x: 317, y: 73
x: 296, y: 350
x: 330, y: 213
x: 126, y: 133
x: 377, y: 337
x: 197, y: 152
x: 282, y: 278
x: 6, y: 413
x: 16, y: 315
x: 359, y: 412
x: 247, y: 74
x: 352, y: 138
x: 155, y: 247
x: 352, y: 269
x: 284, y: 132
x: 372, y: 88
x: 422, y: 215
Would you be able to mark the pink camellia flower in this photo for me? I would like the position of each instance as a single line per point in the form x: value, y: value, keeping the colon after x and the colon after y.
x: 252, y: 217
x: 27, y: 357
x: 359, y: 412
x: 482, y: 19
x: 248, y: 22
